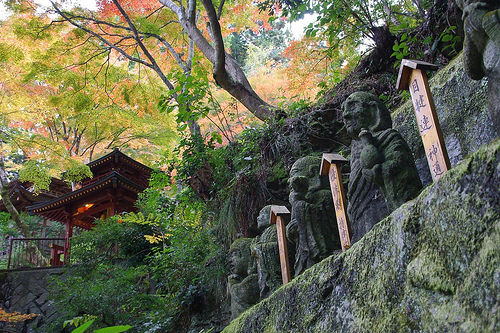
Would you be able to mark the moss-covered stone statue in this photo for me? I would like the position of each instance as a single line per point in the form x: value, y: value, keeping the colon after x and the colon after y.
x: 266, y: 252
x: 482, y: 48
x: 312, y: 230
x: 383, y: 172
x: 243, y: 282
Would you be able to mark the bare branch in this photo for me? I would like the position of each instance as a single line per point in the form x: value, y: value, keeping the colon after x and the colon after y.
x: 171, y: 49
x: 96, y: 35
x: 219, y: 10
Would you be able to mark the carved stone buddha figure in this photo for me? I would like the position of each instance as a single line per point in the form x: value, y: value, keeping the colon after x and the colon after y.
x: 383, y: 172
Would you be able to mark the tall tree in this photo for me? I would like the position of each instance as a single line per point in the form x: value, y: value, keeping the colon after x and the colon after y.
x: 60, y: 115
x: 145, y: 32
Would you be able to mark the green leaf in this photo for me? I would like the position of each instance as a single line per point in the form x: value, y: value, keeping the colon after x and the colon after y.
x: 83, y: 328
x: 113, y: 329
x: 447, y: 38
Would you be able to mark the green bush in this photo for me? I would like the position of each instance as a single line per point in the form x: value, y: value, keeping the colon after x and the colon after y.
x: 148, y: 270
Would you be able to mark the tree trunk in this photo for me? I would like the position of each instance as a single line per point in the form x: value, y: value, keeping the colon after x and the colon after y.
x: 4, y: 194
x: 227, y: 73
x: 14, y: 214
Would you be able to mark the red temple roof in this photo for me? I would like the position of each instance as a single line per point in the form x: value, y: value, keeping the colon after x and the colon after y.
x: 22, y: 195
x: 117, y: 180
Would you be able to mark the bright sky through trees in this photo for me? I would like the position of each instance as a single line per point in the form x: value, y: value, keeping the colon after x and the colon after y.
x: 297, y: 27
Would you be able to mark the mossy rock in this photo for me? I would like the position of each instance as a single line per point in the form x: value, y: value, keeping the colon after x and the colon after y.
x: 431, y: 266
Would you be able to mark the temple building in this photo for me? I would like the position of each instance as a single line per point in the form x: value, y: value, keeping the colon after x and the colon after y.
x: 117, y: 180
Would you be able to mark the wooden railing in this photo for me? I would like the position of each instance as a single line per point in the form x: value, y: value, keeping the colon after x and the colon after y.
x: 35, y: 252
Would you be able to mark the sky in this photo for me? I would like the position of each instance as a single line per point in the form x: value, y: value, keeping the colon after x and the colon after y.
x: 85, y: 3
x: 297, y: 28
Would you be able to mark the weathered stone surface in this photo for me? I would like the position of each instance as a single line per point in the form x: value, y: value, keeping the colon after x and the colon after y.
x: 482, y: 47
x: 312, y: 230
x: 26, y: 291
x: 243, y: 283
x: 461, y: 105
x: 383, y: 173
x: 433, y: 265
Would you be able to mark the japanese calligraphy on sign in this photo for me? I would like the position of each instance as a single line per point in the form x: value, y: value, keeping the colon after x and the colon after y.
x: 412, y: 77
x: 331, y: 166
x: 422, y: 107
x: 436, y: 160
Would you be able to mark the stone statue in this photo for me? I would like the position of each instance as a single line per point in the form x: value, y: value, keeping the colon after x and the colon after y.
x: 482, y: 48
x: 243, y: 281
x: 313, y: 228
x: 383, y: 172
x: 266, y: 252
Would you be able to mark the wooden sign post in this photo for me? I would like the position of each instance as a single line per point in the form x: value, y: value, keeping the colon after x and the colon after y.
x: 278, y: 214
x: 330, y: 165
x: 412, y: 76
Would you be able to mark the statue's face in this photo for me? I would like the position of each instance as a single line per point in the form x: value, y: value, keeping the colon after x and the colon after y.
x: 357, y: 115
x: 299, y: 179
x: 263, y: 218
x: 304, y: 178
x: 238, y: 263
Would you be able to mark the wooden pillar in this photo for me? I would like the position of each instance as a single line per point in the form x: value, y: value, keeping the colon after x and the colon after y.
x: 278, y: 214
x: 330, y: 165
x: 44, y: 227
x: 67, y: 236
x: 412, y: 77
x: 112, y: 209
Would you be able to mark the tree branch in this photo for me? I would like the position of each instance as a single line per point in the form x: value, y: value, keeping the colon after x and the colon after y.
x: 227, y: 73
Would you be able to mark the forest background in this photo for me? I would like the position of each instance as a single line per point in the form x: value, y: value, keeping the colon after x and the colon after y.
x: 218, y: 98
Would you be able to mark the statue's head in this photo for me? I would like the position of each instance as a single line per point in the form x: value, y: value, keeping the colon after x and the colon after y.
x: 263, y: 220
x: 240, y: 257
x: 305, y: 178
x: 482, y: 28
x: 362, y: 110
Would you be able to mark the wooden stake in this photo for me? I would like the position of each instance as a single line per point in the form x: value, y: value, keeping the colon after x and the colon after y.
x: 330, y: 165
x: 412, y: 77
x: 278, y: 214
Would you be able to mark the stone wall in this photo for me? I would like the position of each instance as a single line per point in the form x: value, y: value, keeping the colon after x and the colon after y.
x: 25, y: 291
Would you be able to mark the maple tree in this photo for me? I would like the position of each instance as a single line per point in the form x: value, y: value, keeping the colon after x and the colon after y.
x: 57, y: 110
x: 314, y: 65
x: 55, y: 116
x: 155, y: 39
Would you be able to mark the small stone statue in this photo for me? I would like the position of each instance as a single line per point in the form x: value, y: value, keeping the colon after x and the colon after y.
x: 243, y: 282
x: 266, y: 252
x: 482, y: 48
x: 383, y: 172
x: 313, y: 229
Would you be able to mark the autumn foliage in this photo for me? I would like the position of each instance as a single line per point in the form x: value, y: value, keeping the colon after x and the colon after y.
x: 15, y: 317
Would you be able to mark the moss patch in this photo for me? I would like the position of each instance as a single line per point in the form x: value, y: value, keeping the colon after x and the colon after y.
x: 431, y: 266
